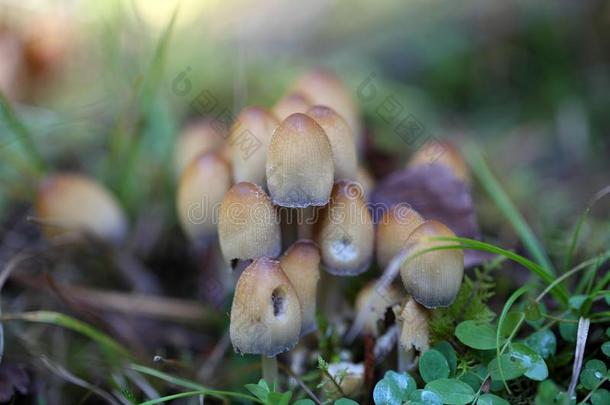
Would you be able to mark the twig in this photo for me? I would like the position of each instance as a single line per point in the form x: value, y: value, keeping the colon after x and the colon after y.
x: 304, y: 386
x: 581, y: 340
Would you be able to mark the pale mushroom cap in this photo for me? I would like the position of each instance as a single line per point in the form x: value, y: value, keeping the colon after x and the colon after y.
x: 324, y: 88
x: 292, y: 103
x: 201, y: 189
x: 432, y: 278
x: 393, y: 230
x: 72, y: 203
x: 413, y: 322
x: 341, y: 140
x: 442, y: 153
x: 375, y: 301
x: 249, y: 142
x: 345, y: 231
x: 301, y: 264
x: 349, y: 376
x: 248, y: 226
x: 299, y: 163
x: 195, y: 139
x: 366, y: 181
x: 266, y: 314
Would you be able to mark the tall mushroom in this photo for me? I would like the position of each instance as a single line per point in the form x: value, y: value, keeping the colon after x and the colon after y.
x: 201, y: 189
x: 393, y: 230
x: 345, y: 231
x: 432, y: 277
x: 198, y: 137
x: 69, y: 203
x: 265, y: 314
x: 292, y: 103
x: 299, y: 163
x: 444, y: 154
x: 301, y: 264
x: 249, y: 142
x: 248, y: 226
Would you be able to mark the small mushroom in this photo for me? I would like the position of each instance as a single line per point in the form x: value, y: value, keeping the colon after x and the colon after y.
x: 375, y: 302
x: 393, y: 230
x: 324, y: 88
x: 299, y: 163
x: 72, y: 203
x: 445, y: 154
x: 201, y: 189
x: 366, y: 181
x: 341, y: 141
x: 414, y: 334
x: 248, y: 226
x: 292, y: 103
x: 197, y: 138
x: 434, y: 277
x: 249, y: 143
x: 345, y: 231
x: 265, y: 314
x: 301, y: 264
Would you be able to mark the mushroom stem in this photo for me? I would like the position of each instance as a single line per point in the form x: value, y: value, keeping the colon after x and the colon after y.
x: 405, y: 358
x: 269, y: 365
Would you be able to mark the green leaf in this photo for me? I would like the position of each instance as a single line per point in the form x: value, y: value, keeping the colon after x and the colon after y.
x: 259, y: 390
x: 476, y: 335
x: 575, y: 302
x: 532, y: 362
x: 607, y: 298
x: 345, y: 401
x: 425, y: 397
x: 511, y: 368
x: 279, y: 398
x: 533, y: 312
x: 433, y: 365
x: 511, y: 321
x: 600, y: 397
x: 491, y: 399
x: 393, y: 388
x: 568, y: 330
x: 472, y: 379
x: 593, y: 372
x: 606, y: 348
x: 449, y: 352
x: 452, y: 391
x: 305, y: 401
x: 543, y: 342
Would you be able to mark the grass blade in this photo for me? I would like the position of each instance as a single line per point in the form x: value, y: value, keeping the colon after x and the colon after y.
x: 507, y: 208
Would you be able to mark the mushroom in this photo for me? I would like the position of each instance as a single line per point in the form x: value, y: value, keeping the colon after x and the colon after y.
x: 414, y: 334
x: 324, y: 88
x: 393, y: 230
x: 72, y: 203
x: 249, y: 142
x: 292, y: 103
x: 345, y: 231
x: 366, y: 181
x: 341, y: 141
x: 265, y: 314
x: 434, y: 277
x: 201, y: 189
x: 299, y: 163
x: 248, y: 226
x: 197, y: 138
x: 442, y: 153
x: 301, y: 264
x: 375, y: 303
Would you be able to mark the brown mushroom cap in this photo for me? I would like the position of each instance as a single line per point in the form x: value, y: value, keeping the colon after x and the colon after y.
x: 325, y: 88
x: 197, y: 138
x: 72, y: 203
x: 376, y: 302
x: 301, y: 264
x: 249, y: 142
x: 248, y: 226
x: 442, y: 153
x: 266, y: 314
x: 344, y: 231
x: 341, y: 141
x: 292, y: 103
x: 393, y: 230
x: 201, y: 189
x: 299, y: 163
x: 433, y: 278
